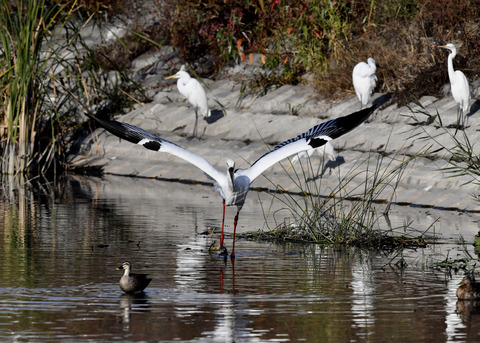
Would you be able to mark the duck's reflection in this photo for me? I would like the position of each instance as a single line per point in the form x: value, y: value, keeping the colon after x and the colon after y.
x: 130, y: 302
x: 468, y: 309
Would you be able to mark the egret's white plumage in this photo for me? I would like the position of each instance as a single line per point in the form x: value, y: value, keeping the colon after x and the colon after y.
x: 364, y: 80
x: 458, y: 82
x: 191, y: 89
x: 234, y: 185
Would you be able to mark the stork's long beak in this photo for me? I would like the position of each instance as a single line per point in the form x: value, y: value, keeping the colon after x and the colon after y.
x: 171, y: 76
x: 231, y: 172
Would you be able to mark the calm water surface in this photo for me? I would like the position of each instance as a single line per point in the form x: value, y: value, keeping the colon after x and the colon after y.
x: 60, y: 245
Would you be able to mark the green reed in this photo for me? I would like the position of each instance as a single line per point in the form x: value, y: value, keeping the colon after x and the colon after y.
x: 24, y: 28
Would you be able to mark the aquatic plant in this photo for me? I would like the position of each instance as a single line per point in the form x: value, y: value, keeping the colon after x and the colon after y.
x: 44, y: 58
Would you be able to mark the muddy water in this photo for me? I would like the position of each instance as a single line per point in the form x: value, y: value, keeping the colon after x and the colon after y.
x: 60, y: 245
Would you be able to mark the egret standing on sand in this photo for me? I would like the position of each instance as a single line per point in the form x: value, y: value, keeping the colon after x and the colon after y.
x: 364, y: 80
x: 458, y: 84
x: 191, y: 89
x: 234, y: 185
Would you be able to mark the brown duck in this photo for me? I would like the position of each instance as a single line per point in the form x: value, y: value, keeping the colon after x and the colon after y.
x: 130, y: 282
x: 468, y: 290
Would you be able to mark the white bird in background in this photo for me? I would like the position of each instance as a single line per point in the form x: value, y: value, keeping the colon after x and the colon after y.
x: 234, y: 185
x: 191, y: 89
x: 364, y: 80
x: 458, y: 84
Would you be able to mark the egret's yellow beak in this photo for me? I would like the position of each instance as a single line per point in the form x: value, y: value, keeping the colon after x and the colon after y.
x: 171, y: 76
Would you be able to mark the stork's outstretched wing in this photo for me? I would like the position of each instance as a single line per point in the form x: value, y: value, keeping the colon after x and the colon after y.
x: 150, y: 141
x: 311, y: 139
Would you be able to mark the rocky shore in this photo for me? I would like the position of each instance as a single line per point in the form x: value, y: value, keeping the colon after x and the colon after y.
x: 251, y: 125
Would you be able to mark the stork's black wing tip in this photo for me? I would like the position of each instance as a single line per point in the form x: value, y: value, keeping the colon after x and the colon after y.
x: 126, y: 131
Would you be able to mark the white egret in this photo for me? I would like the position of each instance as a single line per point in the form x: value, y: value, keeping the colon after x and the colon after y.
x: 191, y: 89
x: 364, y: 80
x: 458, y: 84
x: 131, y: 282
x: 234, y: 185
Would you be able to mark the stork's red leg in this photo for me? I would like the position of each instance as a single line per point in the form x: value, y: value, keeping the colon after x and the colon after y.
x: 235, y: 221
x: 223, y: 224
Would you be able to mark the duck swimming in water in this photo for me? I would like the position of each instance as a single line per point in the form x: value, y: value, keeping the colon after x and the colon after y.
x: 130, y: 282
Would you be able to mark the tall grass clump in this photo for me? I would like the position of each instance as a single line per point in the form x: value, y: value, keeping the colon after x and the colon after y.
x: 464, y: 160
x: 456, y: 147
x: 44, y: 60
x: 350, y: 212
x: 24, y: 27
